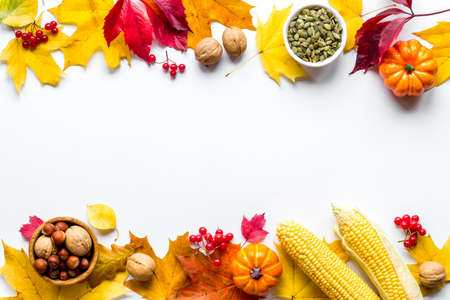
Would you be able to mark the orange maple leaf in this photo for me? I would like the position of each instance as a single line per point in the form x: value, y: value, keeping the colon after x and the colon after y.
x: 209, y: 282
x: 200, y: 14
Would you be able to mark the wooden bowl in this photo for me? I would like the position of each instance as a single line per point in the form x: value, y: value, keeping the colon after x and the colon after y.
x: 93, y: 261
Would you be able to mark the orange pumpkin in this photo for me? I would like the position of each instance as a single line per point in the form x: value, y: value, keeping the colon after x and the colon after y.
x: 408, y: 68
x: 256, y: 269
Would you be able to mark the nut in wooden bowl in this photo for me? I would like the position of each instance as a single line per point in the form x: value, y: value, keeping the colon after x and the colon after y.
x: 64, y: 251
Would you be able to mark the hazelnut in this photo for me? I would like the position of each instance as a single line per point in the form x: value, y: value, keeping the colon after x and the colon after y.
x: 40, y: 265
x: 62, y: 266
x: 58, y: 237
x: 140, y: 266
x: 63, y: 276
x: 73, y: 262
x: 44, y: 247
x: 53, y: 274
x: 78, y: 241
x: 53, y: 262
x: 74, y: 273
x: 84, y: 264
x: 432, y: 274
x: 48, y: 229
x: 234, y: 41
x: 208, y: 51
x: 62, y: 226
x: 63, y: 254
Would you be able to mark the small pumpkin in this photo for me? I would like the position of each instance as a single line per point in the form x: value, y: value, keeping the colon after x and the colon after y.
x: 256, y: 269
x: 408, y: 68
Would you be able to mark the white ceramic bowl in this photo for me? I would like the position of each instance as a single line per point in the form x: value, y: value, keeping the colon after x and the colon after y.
x: 329, y: 60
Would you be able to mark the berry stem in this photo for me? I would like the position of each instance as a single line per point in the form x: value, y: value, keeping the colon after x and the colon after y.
x: 431, y: 14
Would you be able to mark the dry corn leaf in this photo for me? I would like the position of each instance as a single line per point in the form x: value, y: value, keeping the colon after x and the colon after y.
x: 439, y: 36
x: 101, y: 216
x: 169, y: 275
x: 110, y: 262
x: 39, y: 60
x: 294, y: 284
x: 18, y: 13
x: 275, y: 59
x: 351, y: 12
x: 426, y: 250
x: 88, y: 16
x: 200, y: 14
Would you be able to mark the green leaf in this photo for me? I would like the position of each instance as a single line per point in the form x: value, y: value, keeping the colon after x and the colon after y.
x: 18, y: 13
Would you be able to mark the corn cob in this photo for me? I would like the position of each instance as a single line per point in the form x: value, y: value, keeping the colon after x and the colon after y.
x: 322, y: 265
x: 375, y: 254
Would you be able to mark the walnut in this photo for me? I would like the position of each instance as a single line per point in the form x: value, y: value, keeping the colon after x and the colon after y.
x: 431, y: 274
x: 78, y: 240
x: 140, y: 266
x: 44, y: 247
x: 208, y: 51
x: 234, y: 41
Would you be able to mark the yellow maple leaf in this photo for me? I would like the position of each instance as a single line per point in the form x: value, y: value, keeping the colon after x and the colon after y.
x: 200, y: 14
x: 101, y: 216
x: 351, y: 12
x: 108, y: 289
x: 18, y: 13
x: 275, y: 59
x: 110, y: 262
x: 89, y: 16
x: 294, y: 284
x: 439, y: 36
x: 19, y: 273
x: 169, y: 275
x: 39, y: 60
x: 426, y: 250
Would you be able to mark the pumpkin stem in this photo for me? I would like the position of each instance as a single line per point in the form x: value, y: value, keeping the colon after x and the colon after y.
x: 409, y: 68
x: 256, y: 273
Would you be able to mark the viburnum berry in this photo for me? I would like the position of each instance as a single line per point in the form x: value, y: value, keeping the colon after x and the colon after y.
x: 413, y: 240
x: 223, y: 246
x: 173, y: 73
x: 25, y: 44
x: 44, y: 38
x: 423, y: 231
x: 173, y: 67
x: 398, y: 221
x: 219, y: 231
x: 208, y: 237
x: 209, y: 246
x: 152, y: 58
x: 407, y: 244
x: 413, y: 225
x: 404, y: 225
x: 26, y: 36
x: 202, y: 230
x: 192, y: 238
x: 217, y: 262
x: 38, y: 40
x: 229, y: 237
x: 48, y: 26
x: 33, y: 45
x: 406, y: 218
x: 415, y: 218
x: 18, y: 34
x: 218, y: 238
x: 182, y: 67
x: 53, y: 24
x: 32, y: 39
x: 39, y: 33
x: 55, y: 30
x: 165, y: 66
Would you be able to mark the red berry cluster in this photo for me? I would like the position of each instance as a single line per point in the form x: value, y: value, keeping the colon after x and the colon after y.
x: 412, y: 229
x: 31, y: 39
x: 169, y: 65
x: 209, y: 243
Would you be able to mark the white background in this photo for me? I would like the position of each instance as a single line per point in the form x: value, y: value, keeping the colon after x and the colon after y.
x: 171, y: 155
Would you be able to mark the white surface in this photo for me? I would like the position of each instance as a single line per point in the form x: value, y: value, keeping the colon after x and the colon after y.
x: 170, y: 156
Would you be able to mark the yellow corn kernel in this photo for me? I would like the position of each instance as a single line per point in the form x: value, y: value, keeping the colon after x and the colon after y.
x: 322, y: 265
x: 370, y: 248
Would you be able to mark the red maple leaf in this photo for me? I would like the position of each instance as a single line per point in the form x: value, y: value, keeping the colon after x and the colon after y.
x: 407, y: 3
x: 141, y: 20
x: 252, y: 229
x: 209, y: 282
x: 375, y: 37
x: 27, y: 230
